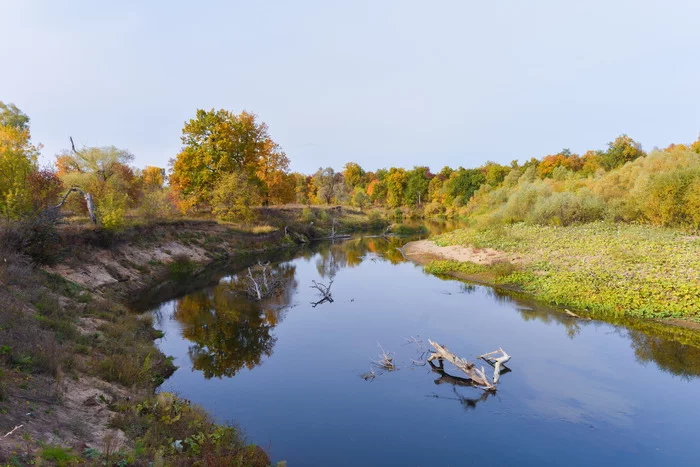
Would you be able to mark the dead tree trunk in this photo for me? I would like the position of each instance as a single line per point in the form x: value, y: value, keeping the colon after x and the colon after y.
x: 53, y: 210
x: 475, y: 374
x: 255, y: 286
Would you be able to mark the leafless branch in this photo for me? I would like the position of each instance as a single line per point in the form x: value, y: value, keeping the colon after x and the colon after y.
x: 325, y: 292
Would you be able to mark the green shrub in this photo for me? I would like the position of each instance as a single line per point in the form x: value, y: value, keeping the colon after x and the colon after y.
x: 307, y: 215
x: 567, y: 208
x: 60, y: 455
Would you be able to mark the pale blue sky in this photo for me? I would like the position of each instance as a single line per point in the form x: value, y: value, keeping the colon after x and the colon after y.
x: 383, y: 83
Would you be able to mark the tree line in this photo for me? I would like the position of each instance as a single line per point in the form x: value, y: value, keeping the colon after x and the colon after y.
x: 229, y: 164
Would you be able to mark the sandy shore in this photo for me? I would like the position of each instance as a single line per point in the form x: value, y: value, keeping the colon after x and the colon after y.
x: 424, y: 251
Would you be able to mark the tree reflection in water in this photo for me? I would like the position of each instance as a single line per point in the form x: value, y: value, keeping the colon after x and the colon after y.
x: 228, y: 331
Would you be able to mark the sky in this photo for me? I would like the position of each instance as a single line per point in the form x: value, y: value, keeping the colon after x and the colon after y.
x: 382, y: 83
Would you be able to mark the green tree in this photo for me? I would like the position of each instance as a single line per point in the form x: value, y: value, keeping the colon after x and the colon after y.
x: 417, y: 185
x: 353, y: 174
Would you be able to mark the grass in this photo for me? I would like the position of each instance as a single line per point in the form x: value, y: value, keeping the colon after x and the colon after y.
x: 60, y: 455
x: 615, y: 269
x: 172, y: 430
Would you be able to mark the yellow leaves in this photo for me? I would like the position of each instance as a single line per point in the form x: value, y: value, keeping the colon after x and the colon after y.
x: 17, y: 160
x: 153, y: 177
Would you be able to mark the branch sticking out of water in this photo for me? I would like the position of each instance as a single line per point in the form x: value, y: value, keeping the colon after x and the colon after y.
x: 325, y: 292
x: 386, y: 360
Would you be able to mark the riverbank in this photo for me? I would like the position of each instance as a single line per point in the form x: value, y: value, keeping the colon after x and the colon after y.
x: 598, y: 269
x: 79, y: 368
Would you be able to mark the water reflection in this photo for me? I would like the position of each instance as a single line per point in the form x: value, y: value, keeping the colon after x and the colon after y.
x: 671, y: 356
x: 228, y: 331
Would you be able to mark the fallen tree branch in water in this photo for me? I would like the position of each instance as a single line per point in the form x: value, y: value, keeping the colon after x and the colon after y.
x: 574, y: 315
x: 325, y: 291
x: 478, y: 376
x: 496, y: 363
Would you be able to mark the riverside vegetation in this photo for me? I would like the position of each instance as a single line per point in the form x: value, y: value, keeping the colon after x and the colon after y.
x: 615, y: 242
x: 613, y: 231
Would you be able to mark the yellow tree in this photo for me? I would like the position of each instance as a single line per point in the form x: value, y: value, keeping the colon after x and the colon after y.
x: 272, y: 171
x: 17, y: 161
x: 153, y: 177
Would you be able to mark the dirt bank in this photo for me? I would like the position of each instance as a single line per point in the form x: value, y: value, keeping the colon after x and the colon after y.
x: 76, y: 361
x: 72, y: 356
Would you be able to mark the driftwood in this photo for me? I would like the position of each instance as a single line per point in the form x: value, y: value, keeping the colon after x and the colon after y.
x: 475, y: 374
x: 496, y: 363
x: 574, y: 315
x: 325, y: 291
x: 13, y: 430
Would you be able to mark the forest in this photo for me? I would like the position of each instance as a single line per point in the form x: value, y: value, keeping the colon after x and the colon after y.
x: 229, y: 164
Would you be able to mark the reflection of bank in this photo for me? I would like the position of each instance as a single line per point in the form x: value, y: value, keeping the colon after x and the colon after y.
x: 228, y: 331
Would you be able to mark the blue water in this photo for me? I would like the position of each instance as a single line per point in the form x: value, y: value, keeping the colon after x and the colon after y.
x: 290, y: 374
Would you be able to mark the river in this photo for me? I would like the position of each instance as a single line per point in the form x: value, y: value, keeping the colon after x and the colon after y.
x: 298, y: 376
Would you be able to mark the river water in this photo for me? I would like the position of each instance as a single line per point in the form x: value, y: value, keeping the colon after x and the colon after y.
x: 297, y: 376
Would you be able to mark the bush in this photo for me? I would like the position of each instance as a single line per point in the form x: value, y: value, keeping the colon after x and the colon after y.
x: 667, y: 194
x: 112, y: 210
x: 307, y: 215
x: 567, y: 208
x: 156, y: 204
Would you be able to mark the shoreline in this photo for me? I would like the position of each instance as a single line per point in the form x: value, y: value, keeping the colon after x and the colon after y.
x: 425, y: 252
x: 106, y: 365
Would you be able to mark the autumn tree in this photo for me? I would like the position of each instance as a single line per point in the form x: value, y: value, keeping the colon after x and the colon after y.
x: 396, y: 183
x: 18, y: 158
x: 45, y: 188
x: 105, y: 173
x: 353, y: 175
x: 565, y: 159
x: 329, y: 186
x: 152, y: 177
x: 218, y: 143
x: 620, y: 151
x: 233, y: 198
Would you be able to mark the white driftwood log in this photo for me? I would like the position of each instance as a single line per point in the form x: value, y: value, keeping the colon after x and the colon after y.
x: 475, y: 374
x: 497, y: 362
x: 13, y: 430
